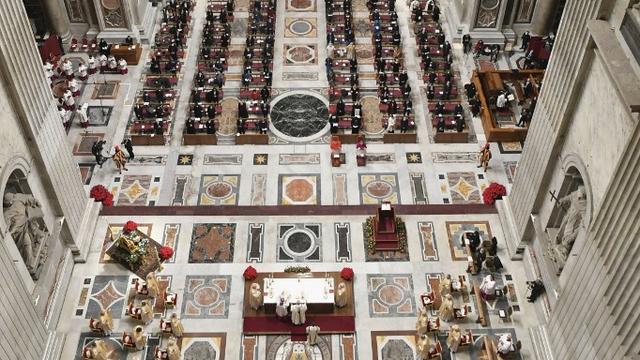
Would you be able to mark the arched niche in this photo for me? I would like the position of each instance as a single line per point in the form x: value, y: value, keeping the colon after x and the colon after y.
x: 571, y: 216
x: 24, y: 230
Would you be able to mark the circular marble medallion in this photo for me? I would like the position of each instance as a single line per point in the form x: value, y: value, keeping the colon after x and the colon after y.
x: 489, y: 4
x: 390, y: 294
x: 206, y: 296
x: 299, y: 117
x: 300, y: 27
x: 299, y: 190
x: 379, y: 189
x: 219, y: 189
x: 299, y: 242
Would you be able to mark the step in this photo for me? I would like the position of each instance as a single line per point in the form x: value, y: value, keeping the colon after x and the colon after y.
x: 540, y: 343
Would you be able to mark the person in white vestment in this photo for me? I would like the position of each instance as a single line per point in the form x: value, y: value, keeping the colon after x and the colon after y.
x: 281, y: 307
x: 505, y: 344
x: 488, y: 287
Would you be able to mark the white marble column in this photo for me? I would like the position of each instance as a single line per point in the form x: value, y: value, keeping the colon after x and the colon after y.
x: 32, y: 100
x: 58, y: 19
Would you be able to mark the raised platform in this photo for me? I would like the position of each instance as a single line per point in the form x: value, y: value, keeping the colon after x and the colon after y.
x: 252, y: 139
x: 256, y: 322
x: 399, y: 138
x: 141, y: 140
x: 451, y: 137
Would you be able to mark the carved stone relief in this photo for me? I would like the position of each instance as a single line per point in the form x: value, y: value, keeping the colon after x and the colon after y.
x: 113, y: 13
x: 525, y: 11
x: 488, y: 13
x: 574, y: 206
x: 75, y: 11
x: 23, y: 216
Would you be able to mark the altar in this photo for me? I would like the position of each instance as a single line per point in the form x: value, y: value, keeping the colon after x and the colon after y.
x: 318, y: 293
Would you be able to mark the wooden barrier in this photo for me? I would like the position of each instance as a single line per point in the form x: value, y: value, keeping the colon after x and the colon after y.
x: 199, y: 139
x: 399, y: 138
x: 483, y: 314
x: 451, y: 137
x: 252, y: 139
x: 348, y: 138
x: 488, y: 82
x: 143, y: 140
x: 131, y: 53
x: 489, y: 348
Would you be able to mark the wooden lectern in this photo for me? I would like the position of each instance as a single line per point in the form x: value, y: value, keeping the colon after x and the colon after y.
x: 385, y: 234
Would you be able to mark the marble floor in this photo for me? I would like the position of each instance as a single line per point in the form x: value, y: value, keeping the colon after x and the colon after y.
x: 284, y: 174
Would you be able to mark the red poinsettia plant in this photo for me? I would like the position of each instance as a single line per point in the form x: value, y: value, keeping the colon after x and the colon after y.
x: 493, y: 192
x: 250, y: 273
x: 101, y: 194
x: 346, y: 273
x: 165, y: 253
x: 130, y: 226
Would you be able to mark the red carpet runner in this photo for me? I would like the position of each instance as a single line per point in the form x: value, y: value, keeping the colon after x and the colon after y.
x: 272, y: 325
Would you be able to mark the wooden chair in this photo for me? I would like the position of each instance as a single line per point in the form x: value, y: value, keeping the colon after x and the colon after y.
x: 437, y: 351
x: 134, y: 312
x: 94, y: 45
x: 165, y: 326
x: 466, y: 339
x: 462, y: 313
x: 127, y: 341
x: 428, y: 299
x: 85, y: 43
x: 74, y: 44
x: 170, y: 299
x: 505, y: 314
x: 93, y: 325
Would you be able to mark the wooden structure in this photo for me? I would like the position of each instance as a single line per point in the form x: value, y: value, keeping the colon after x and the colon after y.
x: 400, y: 138
x: 138, y: 140
x: 199, y: 139
x: 483, y: 313
x: 131, y: 53
x: 451, y: 137
x: 385, y: 232
x: 252, y: 139
x: 489, y: 84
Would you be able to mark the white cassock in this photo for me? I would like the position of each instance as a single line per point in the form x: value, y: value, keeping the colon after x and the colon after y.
x: 103, y: 60
x: 73, y: 86
x: 93, y: 66
x: 48, y: 72
x: 82, y: 113
x: 505, y: 345
x: 69, y: 101
x: 122, y: 66
x: 302, y: 309
x: 113, y: 64
x: 488, y: 286
x: 67, y: 67
x: 391, y: 123
x: 63, y: 115
x: 295, y: 314
x: 312, y: 334
x: 501, y: 101
x: 281, y: 309
x: 82, y: 71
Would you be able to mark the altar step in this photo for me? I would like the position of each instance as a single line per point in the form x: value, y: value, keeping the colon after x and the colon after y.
x: 387, y: 245
x: 329, y: 324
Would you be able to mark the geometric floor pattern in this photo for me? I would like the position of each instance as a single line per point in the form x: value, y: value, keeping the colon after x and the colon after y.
x: 206, y: 296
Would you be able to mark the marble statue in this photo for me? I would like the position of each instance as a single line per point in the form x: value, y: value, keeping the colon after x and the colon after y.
x: 255, y: 296
x: 176, y: 326
x: 341, y: 295
x: 453, y: 340
x: 106, y: 322
x: 425, y: 346
x: 24, y: 218
x: 173, y: 351
x: 139, y: 338
x: 559, y: 249
x: 153, y: 288
x: 146, y: 312
x: 445, y: 313
x: 312, y: 334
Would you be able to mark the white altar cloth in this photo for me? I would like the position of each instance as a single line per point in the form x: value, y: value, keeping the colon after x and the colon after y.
x: 314, y: 290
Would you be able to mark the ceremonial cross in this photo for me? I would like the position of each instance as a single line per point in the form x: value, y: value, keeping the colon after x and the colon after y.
x: 554, y: 197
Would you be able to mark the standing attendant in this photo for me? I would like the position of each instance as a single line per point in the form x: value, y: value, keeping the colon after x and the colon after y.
x: 129, y: 146
x: 485, y: 156
x: 120, y: 159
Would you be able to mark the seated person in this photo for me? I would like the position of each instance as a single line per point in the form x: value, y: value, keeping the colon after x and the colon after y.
x: 488, y: 288
x: 191, y: 126
x: 263, y: 126
x: 211, y: 126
